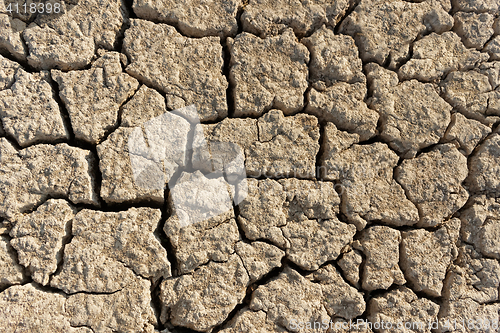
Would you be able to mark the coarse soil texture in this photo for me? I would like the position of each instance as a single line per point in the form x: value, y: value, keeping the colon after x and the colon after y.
x: 256, y: 166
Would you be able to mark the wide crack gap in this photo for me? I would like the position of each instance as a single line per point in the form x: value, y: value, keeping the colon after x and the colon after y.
x: 67, y: 238
x: 352, y: 6
x: 241, y: 231
x: 127, y: 14
x: 166, y: 212
x: 320, y: 170
x: 230, y: 91
x: 178, y: 329
x: 82, y: 326
x: 156, y: 303
x: 402, y: 228
x: 2, y: 129
x: 10, y: 139
x: 96, y: 174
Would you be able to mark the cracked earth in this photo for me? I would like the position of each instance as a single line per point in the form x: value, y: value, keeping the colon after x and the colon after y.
x: 369, y: 136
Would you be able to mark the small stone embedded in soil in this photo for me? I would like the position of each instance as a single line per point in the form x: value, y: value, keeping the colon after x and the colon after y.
x: 31, y: 175
x: 29, y: 111
x: 365, y: 175
x: 426, y: 256
x: 93, y: 97
x: 467, y: 132
x: 435, y: 55
x: 433, y: 182
x: 484, y: 173
x: 268, y: 73
x: 267, y: 19
x: 412, y: 114
x: 380, y: 246
x: 187, y: 70
x: 38, y: 238
x: 384, y: 30
x: 193, y: 18
x: 109, y: 249
x: 11, y: 273
x: 204, y: 299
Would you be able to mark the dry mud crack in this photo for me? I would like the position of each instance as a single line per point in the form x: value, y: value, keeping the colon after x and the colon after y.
x: 250, y: 166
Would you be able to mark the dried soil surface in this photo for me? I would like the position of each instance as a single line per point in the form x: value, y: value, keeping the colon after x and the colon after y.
x: 250, y: 166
